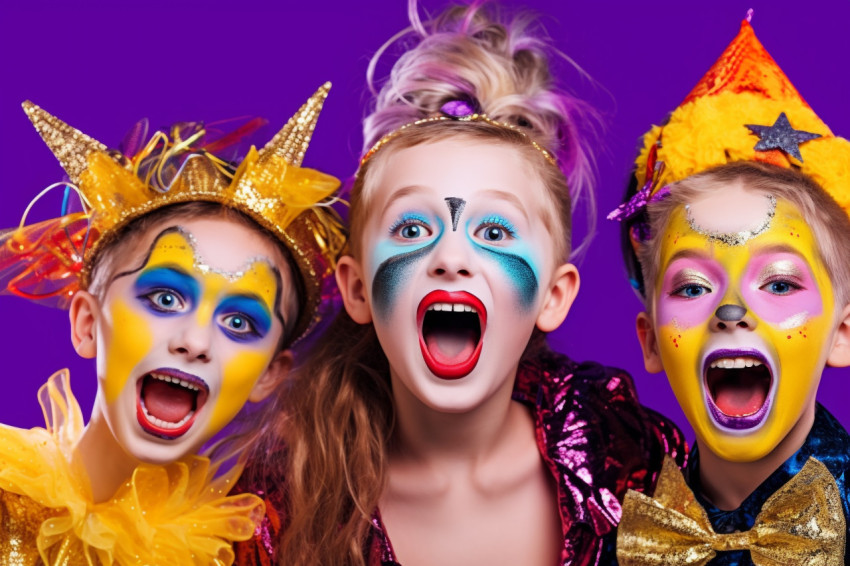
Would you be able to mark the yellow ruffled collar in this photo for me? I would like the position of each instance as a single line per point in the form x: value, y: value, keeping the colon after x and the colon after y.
x: 174, y: 514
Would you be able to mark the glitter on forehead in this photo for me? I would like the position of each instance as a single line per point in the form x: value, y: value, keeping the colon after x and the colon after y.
x: 734, y: 238
x: 202, y: 266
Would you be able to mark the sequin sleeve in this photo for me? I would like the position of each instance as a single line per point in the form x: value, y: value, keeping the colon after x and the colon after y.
x: 598, y: 441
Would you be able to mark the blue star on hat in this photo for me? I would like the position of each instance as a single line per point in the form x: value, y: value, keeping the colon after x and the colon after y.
x: 781, y: 136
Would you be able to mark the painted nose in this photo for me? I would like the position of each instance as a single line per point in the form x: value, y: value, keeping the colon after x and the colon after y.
x: 731, y: 316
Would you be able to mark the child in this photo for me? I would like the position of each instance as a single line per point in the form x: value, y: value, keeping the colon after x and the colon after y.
x: 432, y: 412
x: 741, y: 256
x: 194, y: 279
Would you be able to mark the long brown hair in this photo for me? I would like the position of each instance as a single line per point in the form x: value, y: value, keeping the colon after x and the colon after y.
x: 338, y: 418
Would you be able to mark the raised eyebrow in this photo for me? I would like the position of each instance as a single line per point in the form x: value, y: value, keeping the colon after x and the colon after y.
x: 403, y: 192
x: 508, y: 196
x: 688, y: 254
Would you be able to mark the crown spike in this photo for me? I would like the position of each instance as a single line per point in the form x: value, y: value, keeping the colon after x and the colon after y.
x: 291, y: 142
x: 70, y: 146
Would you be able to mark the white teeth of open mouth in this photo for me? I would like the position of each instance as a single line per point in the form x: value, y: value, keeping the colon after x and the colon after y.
x: 178, y: 381
x: 449, y: 307
x: 164, y: 424
x: 734, y: 363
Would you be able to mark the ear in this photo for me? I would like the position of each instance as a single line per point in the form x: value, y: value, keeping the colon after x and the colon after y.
x: 83, y: 313
x: 273, y: 376
x: 559, y: 298
x: 839, y: 356
x: 648, y: 343
x: 352, y: 287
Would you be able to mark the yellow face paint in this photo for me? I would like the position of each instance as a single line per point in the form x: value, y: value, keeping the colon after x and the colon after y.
x: 131, y: 340
x: 744, y: 324
x: 207, y: 334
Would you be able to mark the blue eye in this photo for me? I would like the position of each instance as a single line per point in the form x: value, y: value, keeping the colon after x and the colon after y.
x: 166, y: 301
x: 239, y: 325
x: 780, y: 287
x: 411, y: 228
x: 692, y: 291
x: 411, y: 231
x: 495, y: 230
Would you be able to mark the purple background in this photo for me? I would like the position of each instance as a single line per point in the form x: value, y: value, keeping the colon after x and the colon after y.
x: 101, y: 66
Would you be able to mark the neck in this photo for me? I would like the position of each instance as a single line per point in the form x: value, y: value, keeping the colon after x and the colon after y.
x: 105, y: 462
x: 727, y: 484
x: 464, y: 437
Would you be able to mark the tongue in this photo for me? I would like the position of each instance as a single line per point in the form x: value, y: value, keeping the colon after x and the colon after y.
x: 740, y: 397
x: 167, y: 402
x: 451, y: 346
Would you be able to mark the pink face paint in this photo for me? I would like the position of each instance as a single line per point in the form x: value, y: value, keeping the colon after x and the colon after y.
x: 690, y: 292
x: 780, y: 289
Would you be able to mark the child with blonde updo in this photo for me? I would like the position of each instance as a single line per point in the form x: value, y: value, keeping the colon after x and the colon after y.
x: 432, y: 411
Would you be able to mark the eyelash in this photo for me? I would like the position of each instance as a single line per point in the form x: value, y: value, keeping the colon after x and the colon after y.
x: 789, y: 280
x: 497, y: 222
x: 409, y: 220
x: 148, y: 298
x: 251, y: 334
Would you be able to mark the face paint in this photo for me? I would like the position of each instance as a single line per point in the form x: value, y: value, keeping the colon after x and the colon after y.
x: 743, y: 329
x: 454, y: 308
x: 455, y: 209
x: 185, y: 341
x: 411, y: 241
x: 514, y: 258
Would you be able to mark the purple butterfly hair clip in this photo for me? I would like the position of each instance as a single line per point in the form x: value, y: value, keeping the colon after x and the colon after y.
x: 638, y: 203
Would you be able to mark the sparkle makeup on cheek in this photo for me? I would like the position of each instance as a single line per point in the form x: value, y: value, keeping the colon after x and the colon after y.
x: 396, y: 260
x: 515, y: 259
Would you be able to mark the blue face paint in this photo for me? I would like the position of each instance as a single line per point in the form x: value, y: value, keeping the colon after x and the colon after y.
x: 515, y: 257
x: 396, y: 259
x: 156, y: 288
x: 243, y: 318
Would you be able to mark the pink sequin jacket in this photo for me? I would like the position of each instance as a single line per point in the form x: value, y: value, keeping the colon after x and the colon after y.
x: 593, y: 435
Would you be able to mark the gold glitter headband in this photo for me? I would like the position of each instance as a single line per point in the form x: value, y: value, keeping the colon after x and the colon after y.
x: 455, y: 111
x: 269, y: 186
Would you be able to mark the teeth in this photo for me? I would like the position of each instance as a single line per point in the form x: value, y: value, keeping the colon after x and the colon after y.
x: 734, y: 363
x: 178, y: 381
x: 451, y: 307
x: 164, y: 424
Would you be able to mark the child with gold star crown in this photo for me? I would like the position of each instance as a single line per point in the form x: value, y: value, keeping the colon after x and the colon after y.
x: 738, y: 242
x: 188, y: 278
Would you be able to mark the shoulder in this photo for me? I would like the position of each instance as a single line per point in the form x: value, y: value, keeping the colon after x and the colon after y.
x: 592, y: 409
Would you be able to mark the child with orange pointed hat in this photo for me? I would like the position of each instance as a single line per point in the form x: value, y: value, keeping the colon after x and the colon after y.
x: 188, y: 278
x: 737, y: 242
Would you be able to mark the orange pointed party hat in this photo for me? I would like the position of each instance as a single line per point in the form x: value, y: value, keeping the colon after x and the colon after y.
x: 745, y: 109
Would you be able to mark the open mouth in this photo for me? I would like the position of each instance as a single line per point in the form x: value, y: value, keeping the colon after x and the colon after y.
x: 738, y: 386
x: 451, y: 332
x: 168, y: 400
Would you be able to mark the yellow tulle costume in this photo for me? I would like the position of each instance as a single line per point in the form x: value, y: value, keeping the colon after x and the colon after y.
x: 163, y: 515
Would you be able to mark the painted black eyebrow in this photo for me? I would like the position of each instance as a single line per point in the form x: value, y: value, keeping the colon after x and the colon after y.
x: 147, y: 257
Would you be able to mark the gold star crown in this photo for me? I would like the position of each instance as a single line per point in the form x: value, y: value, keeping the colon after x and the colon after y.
x: 269, y: 186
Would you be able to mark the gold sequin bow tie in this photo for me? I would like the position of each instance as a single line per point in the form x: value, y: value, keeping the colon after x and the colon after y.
x: 802, y: 523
